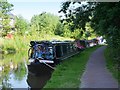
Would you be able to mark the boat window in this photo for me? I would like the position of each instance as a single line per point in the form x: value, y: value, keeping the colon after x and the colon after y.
x: 58, y: 51
x: 64, y: 49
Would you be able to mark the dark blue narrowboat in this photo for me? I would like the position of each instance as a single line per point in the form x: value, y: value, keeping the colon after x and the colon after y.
x: 45, y: 55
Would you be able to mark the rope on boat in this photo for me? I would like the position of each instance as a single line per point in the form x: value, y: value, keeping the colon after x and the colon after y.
x: 49, y: 65
x: 63, y: 59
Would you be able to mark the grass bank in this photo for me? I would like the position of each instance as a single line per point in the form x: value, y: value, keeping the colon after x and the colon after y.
x: 18, y: 43
x: 112, y: 64
x: 69, y: 72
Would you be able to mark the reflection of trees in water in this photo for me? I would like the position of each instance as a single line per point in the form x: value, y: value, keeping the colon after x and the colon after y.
x: 12, y: 64
x: 5, y: 78
x: 5, y: 83
x: 20, y: 72
x: 13, y: 59
x: 15, y: 69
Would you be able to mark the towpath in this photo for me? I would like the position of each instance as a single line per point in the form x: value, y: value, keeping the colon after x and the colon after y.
x: 96, y: 74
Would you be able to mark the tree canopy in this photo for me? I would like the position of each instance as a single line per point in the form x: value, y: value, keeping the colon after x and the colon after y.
x: 44, y: 22
x: 5, y: 9
x: 21, y: 25
x: 104, y: 18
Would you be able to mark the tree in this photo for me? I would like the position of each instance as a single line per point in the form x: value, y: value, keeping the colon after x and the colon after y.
x: 5, y: 9
x: 59, y: 29
x: 103, y: 17
x: 45, y: 23
x: 21, y: 25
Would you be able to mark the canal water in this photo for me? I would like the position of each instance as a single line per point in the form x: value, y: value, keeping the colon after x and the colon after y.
x: 14, y: 73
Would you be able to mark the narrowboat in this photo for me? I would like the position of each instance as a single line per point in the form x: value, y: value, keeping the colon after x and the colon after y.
x: 45, y: 55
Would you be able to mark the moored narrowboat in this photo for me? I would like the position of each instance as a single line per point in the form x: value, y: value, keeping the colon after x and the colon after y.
x: 44, y: 55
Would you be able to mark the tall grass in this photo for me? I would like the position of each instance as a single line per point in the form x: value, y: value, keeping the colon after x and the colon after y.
x: 18, y: 43
x: 112, y: 64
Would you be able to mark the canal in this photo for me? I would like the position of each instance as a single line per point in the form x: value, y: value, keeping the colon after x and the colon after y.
x: 14, y: 73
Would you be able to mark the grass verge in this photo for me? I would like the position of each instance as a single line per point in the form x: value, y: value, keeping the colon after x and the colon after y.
x: 18, y: 42
x: 112, y: 65
x: 69, y: 72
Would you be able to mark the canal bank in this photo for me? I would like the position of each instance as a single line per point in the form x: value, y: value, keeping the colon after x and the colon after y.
x: 68, y: 73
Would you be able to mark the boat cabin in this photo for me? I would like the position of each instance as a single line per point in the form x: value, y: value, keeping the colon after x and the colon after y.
x: 51, y: 51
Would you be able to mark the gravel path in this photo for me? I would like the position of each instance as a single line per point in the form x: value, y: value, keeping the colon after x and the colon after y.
x: 96, y: 74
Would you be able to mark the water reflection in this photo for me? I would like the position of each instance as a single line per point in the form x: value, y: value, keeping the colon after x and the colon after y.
x: 14, y: 73
x: 15, y: 78
x: 37, y: 81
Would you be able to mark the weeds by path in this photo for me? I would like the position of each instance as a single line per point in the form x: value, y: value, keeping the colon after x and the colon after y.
x: 112, y: 65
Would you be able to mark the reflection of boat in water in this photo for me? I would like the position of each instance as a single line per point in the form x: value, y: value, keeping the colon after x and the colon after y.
x: 37, y: 81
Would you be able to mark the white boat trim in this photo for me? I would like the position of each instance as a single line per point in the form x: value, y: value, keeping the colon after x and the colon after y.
x: 42, y: 61
x: 31, y: 60
x: 46, y: 61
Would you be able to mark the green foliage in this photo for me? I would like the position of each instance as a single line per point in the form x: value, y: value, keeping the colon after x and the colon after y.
x: 76, y: 16
x: 105, y: 22
x: 59, y: 29
x: 21, y: 25
x: 20, y: 72
x: 45, y: 23
x: 19, y: 42
x: 5, y: 8
x: 103, y: 17
x: 16, y: 44
x: 112, y: 65
x: 66, y: 31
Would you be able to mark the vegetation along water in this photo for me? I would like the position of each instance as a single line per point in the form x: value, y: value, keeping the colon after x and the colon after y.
x: 86, y: 21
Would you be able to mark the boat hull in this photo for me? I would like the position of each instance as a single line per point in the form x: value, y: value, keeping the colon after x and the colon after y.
x: 39, y: 68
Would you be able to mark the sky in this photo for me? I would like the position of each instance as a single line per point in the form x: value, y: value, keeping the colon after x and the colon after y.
x: 29, y: 8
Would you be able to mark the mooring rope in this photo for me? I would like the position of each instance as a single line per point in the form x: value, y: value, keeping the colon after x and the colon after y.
x: 49, y: 65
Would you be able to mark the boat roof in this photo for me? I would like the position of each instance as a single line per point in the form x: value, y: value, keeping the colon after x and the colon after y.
x: 49, y: 42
